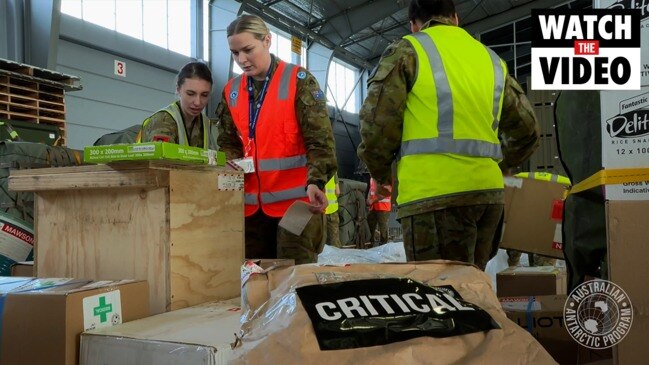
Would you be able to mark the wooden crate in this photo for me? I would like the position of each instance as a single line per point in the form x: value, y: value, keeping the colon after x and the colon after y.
x: 165, y: 223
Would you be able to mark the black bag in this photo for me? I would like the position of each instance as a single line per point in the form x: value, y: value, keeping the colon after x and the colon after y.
x: 352, y: 211
x: 127, y: 135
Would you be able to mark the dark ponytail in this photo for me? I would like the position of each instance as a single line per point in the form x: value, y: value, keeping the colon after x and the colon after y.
x: 194, y: 70
x: 424, y: 10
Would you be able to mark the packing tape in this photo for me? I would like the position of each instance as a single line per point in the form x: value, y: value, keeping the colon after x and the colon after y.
x: 528, y: 315
x: 611, y: 177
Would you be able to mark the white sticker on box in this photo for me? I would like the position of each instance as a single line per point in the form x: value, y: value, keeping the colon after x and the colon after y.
x: 513, y: 182
x: 557, y: 241
x: 102, y: 310
x: 142, y: 148
x: 230, y: 182
x: 520, y: 304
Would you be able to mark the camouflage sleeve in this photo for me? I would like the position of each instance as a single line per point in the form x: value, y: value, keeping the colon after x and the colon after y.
x: 228, y: 135
x: 313, y: 118
x: 160, y: 124
x: 381, y: 115
x: 519, y: 130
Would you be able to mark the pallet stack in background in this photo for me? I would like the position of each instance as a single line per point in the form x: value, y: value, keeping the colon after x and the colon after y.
x: 36, y: 96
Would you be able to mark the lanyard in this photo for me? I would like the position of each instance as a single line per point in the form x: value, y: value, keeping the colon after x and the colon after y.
x: 253, y: 109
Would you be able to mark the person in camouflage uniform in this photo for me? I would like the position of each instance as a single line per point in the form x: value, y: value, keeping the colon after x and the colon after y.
x: 193, y: 86
x: 249, y: 41
x: 459, y: 226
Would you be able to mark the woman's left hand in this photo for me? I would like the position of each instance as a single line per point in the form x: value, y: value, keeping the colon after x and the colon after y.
x: 317, y: 199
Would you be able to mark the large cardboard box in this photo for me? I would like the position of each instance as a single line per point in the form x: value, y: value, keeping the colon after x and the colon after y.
x: 625, y: 144
x: 530, y: 225
x: 523, y: 281
x: 42, y: 318
x: 542, y: 316
x: 627, y: 260
x: 180, y: 227
x: 199, y: 335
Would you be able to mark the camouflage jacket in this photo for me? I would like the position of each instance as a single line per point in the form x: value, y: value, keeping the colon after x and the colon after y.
x: 382, y: 124
x: 314, y: 122
x: 162, y: 124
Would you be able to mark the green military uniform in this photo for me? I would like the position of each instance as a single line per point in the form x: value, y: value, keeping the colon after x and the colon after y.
x: 376, y: 218
x: 424, y: 222
x: 315, y: 125
x: 162, y: 124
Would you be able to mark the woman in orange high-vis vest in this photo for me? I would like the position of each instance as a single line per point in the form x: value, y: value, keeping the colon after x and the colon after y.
x: 273, y: 122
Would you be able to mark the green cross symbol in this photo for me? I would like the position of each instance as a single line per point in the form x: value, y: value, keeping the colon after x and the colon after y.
x: 102, y: 309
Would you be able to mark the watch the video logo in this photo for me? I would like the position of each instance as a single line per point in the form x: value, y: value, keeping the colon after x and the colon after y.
x: 595, y: 49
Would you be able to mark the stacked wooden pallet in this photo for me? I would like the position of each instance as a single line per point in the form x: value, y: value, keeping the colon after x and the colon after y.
x: 35, y: 95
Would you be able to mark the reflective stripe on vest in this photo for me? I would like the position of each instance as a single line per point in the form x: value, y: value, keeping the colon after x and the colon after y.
x: 286, y: 163
x: 174, y: 111
x: 332, y: 199
x: 545, y: 176
x: 445, y: 143
x: 280, y: 170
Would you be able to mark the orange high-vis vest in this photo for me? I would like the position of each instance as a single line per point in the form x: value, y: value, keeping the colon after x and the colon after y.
x: 383, y: 205
x: 278, y: 149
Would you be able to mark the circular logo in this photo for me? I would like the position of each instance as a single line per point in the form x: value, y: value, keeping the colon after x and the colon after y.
x: 598, y: 314
x: 301, y: 75
x: 233, y: 95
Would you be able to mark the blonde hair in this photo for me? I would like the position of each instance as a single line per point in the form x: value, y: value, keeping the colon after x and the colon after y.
x: 248, y: 23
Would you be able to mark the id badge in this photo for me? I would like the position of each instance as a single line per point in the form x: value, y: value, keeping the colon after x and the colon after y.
x: 247, y: 164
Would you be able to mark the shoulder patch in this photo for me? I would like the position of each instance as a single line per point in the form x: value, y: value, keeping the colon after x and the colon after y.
x: 301, y: 75
x: 318, y: 95
x: 234, y: 94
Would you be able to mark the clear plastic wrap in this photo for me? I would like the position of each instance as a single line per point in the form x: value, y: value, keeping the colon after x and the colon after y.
x: 389, y: 252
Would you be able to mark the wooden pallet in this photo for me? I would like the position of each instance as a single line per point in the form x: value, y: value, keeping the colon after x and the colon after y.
x: 34, y: 95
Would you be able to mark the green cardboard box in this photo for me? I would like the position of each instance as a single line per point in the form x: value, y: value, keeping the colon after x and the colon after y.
x: 152, y: 151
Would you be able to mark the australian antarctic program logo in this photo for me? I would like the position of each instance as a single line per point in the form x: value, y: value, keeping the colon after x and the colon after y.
x: 597, y: 49
x: 598, y: 314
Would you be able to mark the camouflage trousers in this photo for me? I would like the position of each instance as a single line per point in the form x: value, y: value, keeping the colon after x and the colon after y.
x: 333, y: 232
x: 514, y: 257
x: 380, y: 218
x: 456, y: 233
x: 266, y: 240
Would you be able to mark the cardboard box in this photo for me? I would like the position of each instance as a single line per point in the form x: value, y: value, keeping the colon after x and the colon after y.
x: 202, y: 334
x: 627, y: 262
x: 42, y: 318
x: 542, y: 316
x: 24, y: 269
x: 254, y: 281
x: 625, y: 144
x: 529, y: 222
x: 524, y: 281
x: 152, y: 151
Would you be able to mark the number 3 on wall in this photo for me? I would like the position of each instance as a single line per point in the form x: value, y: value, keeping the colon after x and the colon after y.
x: 120, y: 68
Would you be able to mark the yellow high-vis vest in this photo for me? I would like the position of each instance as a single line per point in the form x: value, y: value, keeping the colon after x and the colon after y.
x: 450, y: 140
x: 330, y: 192
x: 209, y: 137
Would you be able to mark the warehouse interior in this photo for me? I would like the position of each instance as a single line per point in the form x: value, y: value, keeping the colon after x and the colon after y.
x: 168, y: 258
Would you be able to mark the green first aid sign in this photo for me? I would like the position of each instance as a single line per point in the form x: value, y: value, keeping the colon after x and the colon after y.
x: 102, y: 310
